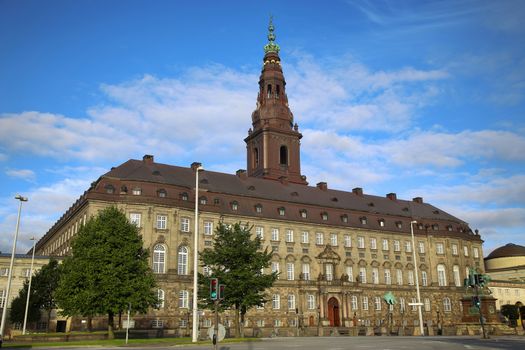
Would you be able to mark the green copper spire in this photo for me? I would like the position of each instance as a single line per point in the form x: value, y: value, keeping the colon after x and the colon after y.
x: 271, y: 46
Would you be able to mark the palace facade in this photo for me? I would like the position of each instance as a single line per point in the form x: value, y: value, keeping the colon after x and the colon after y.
x: 337, y: 252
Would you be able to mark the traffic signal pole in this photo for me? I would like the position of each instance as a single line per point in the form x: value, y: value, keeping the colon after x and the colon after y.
x: 216, y: 333
x: 481, y: 321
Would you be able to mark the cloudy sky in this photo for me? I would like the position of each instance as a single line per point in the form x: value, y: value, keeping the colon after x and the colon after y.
x: 421, y: 98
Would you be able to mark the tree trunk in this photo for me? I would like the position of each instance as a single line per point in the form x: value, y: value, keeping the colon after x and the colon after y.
x: 90, y: 324
x: 119, y: 326
x: 49, y: 320
x: 241, y: 328
x: 111, y: 334
x: 237, y: 325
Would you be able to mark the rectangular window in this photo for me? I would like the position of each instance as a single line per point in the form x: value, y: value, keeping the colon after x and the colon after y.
x: 475, y: 252
x: 365, y: 303
x: 275, y: 267
x: 289, y: 235
x: 427, y: 304
x: 455, y: 249
x: 208, y: 228
x: 2, y: 298
x: 333, y: 239
x: 408, y: 247
x: 304, y: 237
x: 311, y: 301
x: 319, y: 238
x: 291, y: 302
x: 421, y: 247
x: 385, y: 244
x: 375, y: 275
x: 354, y: 302
x: 276, y: 302
x: 184, y: 299
x: 362, y: 274
x: 397, y: 246
x: 259, y: 232
x: 360, y: 242
x: 377, y: 302
x: 465, y: 250
x: 162, y: 222
x: 329, y: 271
x: 290, y: 271
x: 410, y: 275
x: 348, y: 241
x: 275, y: 234
x: 424, y: 278
x: 26, y: 272
x: 4, y: 271
x: 414, y: 307
x: 439, y: 248
x: 185, y: 224
x: 350, y: 273
x: 399, y: 277
x: 388, y: 277
x: 373, y: 243
x: 134, y: 218
x: 306, y: 271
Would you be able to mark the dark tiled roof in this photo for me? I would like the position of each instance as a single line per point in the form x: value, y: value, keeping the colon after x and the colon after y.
x: 138, y: 170
x: 507, y: 251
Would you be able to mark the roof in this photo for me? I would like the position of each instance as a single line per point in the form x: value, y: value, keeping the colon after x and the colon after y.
x: 508, y: 250
x: 139, y: 170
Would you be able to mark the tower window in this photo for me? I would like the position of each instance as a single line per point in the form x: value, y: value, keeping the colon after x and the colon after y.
x: 255, y: 157
x: 277, y: 91
x: 283, y: 155
x: 269, y: 90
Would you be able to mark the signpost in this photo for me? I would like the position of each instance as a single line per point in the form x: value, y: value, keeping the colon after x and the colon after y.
x: 218, y: 332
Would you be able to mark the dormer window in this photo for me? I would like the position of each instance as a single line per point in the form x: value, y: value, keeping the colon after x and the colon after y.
x: 216, y: 201
x: 399, y: 224
x: 435, y: 227
x: 304, y: 213
x: 363, y: 220
x: 234, y: 205
x: 281, y: 211
x: 449, y: 228
x: 381, y: 222
x: 324, y: 216
x: 258, y: 208
x: 110, y: 189
x: 137, y: 191
x: 184, y: 196
x: 162, y: 193
x: 420, y: 226
x: 203, y: 200
x: 344, y: 218
x: 123, y: 189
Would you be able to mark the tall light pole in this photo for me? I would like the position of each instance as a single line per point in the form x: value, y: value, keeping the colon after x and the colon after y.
x: 29, y: 287
x: 10, y: 274
x: 419, y: 304
x: 196, y: 167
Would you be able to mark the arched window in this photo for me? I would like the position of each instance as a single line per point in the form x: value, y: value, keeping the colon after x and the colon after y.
x: 283, y: 155
x: 255, y: 157
x: 160, y: 297
x: 159, y: 259
x: 442, y: 276
x: 269, y: 90
x: 182, y: 267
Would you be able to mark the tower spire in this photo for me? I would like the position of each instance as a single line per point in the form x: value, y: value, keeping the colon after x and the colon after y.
x: 273, y: 143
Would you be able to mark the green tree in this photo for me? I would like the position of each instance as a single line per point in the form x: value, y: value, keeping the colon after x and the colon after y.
x: 237, y: 260
x: 42, y: 298
x: 511, y: 312
x: 107, y: 271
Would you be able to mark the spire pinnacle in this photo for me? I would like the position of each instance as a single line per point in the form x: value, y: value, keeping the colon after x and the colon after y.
x: 271, y: 46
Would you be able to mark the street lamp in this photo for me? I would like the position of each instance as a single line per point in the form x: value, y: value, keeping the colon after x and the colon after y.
x: 29, y: 287
x: 419, y: 304
x: 10, y: 274
x: 196, y: 167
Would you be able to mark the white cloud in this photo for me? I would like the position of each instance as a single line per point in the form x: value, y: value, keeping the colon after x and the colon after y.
x: 24, y: 174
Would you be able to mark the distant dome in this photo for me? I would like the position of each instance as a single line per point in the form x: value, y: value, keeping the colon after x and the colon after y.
x: 509, y: 250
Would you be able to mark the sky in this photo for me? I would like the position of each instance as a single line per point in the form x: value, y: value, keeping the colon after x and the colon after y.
x: 420, y: 98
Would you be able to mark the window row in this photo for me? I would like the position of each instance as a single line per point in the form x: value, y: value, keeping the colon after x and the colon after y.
x: 440, y: 249
x: 183, y: 302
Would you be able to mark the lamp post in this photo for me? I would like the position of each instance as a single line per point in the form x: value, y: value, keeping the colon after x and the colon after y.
x: 10, y: 274
x: 419, y: 304
x: 196, y: 167
x: 29, y: 287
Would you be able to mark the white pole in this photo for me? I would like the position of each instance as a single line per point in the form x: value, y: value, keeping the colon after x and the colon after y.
x: 29, y: 287
x: 10, y: 274
x: 421, y: 328
x: 195, y: 256
x: 127, y: 326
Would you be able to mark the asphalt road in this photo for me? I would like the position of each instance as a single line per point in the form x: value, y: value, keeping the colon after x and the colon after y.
x: 349, y: 343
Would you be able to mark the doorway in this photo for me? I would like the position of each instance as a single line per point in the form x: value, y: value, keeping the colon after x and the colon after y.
x: 333, y: 312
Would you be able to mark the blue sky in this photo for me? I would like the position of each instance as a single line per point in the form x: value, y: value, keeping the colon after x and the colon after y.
x: 421, y: 98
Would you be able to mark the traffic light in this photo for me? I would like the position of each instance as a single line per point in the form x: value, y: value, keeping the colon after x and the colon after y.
x: 476, y: 301
x: 221, y: 291
x: 214, y: 288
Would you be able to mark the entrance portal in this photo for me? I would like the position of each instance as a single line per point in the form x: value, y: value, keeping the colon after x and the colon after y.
x: 333, y: 312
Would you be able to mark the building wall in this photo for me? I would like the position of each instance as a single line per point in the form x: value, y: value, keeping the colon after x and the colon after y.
x: 175, y: 313
x: 507, y: 292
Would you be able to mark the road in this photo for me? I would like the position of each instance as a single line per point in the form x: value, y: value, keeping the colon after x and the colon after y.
x: 347, y: 343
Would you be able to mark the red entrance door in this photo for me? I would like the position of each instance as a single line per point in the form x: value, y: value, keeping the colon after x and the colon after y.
x: 333, y: 312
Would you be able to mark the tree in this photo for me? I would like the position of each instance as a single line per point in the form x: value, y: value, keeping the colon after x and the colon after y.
x: 107, y: 271
x: 237, y: 260
x: 42, y: 298
x: 511, y: 312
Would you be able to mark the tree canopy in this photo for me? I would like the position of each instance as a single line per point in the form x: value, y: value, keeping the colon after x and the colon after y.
x: 107, y: 271
x: 237, y: 260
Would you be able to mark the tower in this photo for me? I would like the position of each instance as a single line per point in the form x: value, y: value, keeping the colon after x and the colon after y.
x: 273, y: 142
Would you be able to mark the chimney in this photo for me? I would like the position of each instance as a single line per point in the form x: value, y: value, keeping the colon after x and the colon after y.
x: 148, y: 159
x: 195, y: 165
x: 283, y: 180
x: 322, y: 186
x: 418, y: 200
x: 241, y: 174
x: 392, y: 196
x: 358, y: 191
